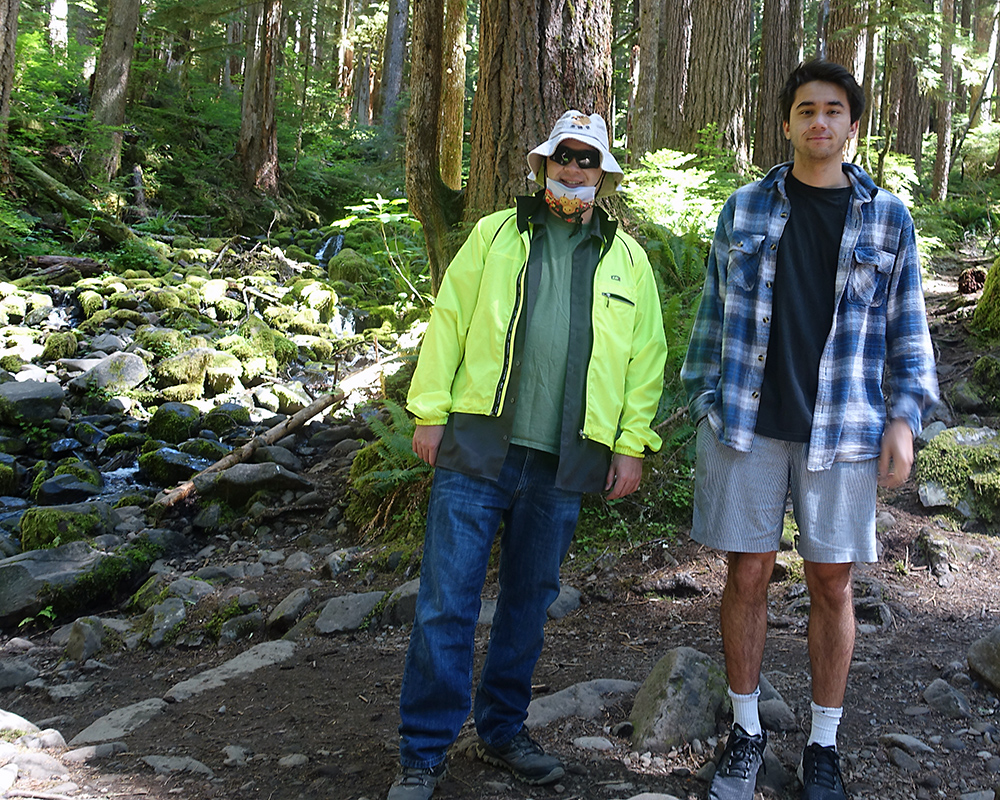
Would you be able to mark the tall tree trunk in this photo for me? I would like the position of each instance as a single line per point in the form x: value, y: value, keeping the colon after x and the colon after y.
x: 845, y: 32
x: 780, y: 51
x: 985, y: 16
x: 430, y: 200
x: 672, y: 75
x: 868, y: 84
x: 110, y: 94
x: 909, y: 107
x: 8, y: 41
x: 452, y: 131
x: 393, y: 60
x: 718, y: 78
x: 945, y: 105
x: 845, y: 28
x: 535, y: 62
x: 645, y: 86
x: 258, y: 143
x: 361, y: 106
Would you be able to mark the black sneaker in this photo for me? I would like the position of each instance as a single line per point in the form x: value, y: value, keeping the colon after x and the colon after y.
x: 524, y: 757
x: 736, y: 775
x: 414, y: 783
x: 820, y: 774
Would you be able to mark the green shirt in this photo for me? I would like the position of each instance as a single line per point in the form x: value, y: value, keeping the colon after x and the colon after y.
x: 538, y: 415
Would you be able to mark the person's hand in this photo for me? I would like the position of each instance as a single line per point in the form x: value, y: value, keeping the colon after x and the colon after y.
x: 426, y: 441
x: 896, y: 460
x: 624, y: 476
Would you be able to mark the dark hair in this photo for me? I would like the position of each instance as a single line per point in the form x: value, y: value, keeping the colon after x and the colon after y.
x: 828, y: 72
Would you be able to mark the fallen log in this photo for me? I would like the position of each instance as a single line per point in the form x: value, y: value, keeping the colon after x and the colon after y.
x: 110, y: 230
x: 282, y: 429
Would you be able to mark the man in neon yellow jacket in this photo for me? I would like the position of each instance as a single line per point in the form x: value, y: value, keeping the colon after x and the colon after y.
x: 538, y: 379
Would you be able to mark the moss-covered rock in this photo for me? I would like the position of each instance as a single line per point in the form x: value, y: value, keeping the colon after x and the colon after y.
x: 986, y: 317
x: 81, y: 470
x: 119, y: 442
x: 278, y: 350
x: 223, y: 373
x: 960, y: 468
x: 174, y: 422
x: 55, y: 525
x: 349, y: 265
x: 163, y: 299
x: 164, y: 342
x: 61, y: 344
x: 209, y: 449
x: 168, y: 466
x: 188, y: 367
x: 226, y: 418
x: 8, y: 480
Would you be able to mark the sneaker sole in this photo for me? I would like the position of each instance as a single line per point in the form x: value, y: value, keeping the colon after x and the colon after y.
x: 553, y: 775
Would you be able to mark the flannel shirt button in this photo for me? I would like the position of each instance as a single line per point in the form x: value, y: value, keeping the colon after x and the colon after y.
x: 774, y: 247
x: 765, y: 320
x: 760, y: 358
x: 755, y: 395
x: 768, y: 284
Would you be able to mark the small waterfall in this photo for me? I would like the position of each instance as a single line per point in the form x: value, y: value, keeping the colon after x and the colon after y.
x: 336, y: 242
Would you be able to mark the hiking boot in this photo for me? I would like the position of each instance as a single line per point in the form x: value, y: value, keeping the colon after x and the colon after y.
x: 820, y: 774
x: 415, y: 783
x: 524, y: 757
x: 736, y: 775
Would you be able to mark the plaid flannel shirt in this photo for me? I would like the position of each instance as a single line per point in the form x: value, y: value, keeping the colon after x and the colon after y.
x: 879, y: 328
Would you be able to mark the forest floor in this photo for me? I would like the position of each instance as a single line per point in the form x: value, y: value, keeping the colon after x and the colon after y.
x: 335, y: 701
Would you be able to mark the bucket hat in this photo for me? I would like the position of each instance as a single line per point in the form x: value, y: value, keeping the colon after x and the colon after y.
x: 588, y: 128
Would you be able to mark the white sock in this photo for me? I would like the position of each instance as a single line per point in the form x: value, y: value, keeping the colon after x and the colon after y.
x: 824, y: 725
x: 745, y: 711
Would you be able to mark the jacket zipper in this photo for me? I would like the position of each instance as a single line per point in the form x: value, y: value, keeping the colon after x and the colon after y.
x: 511, y: 327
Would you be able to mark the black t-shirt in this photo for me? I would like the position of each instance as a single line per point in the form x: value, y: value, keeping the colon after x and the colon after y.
x: 803, y: 303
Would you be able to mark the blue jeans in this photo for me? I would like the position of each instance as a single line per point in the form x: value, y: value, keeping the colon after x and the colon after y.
x: 462, y: 519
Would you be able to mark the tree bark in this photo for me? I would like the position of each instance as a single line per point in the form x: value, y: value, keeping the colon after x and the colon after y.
x: 8, y: 41
x: 672, y: 75
x: 718, y: 78
x: 945, y: 106
x: 108, y: 100
x: 645, y: 87
x: 780, y: 51
x: 258, y: 143
x: 430, y: 200
x: 985, y: 17
x: 845, y: 36
x: 393, y: 62
x: 453, y: 93
x: 871, y: 44
x: 535, y: 62
x: 361, y: 105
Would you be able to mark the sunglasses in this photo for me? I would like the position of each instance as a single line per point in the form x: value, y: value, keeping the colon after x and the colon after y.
x: 585, y: 159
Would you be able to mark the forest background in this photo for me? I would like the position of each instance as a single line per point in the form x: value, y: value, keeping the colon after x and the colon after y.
x: 124, y: 123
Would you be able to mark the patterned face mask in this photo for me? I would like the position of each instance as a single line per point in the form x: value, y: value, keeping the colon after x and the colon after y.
x: 569, y: 204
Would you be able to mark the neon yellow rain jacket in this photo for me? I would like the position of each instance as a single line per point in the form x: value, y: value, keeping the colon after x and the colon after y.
x: 465, y: 359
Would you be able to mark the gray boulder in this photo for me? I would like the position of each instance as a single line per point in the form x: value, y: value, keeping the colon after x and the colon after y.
x: 287, y: 611
x: 117, y: 373
x: 682, y: 699
x: 401, y: 605
x: 984, y: 658
x: 16, y: 672
x: 166, y: 616
x: 22, y: 577
x: 240, y: 482
x: 586, y: 700
x: 947, y: 700
x: 85, y: 638
x: 30, y: 401
x: 64, y: 489
x: 348, y: 612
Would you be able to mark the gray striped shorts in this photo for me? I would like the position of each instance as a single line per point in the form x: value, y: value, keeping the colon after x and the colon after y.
x: 739, y: 500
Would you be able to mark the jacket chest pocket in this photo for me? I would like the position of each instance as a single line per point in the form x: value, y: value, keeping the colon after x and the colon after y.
x: 868, y: 282
x: 744, y: 261
x: 615, y: 305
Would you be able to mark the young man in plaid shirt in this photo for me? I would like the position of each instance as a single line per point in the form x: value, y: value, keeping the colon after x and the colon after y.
x: 812, y: 307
